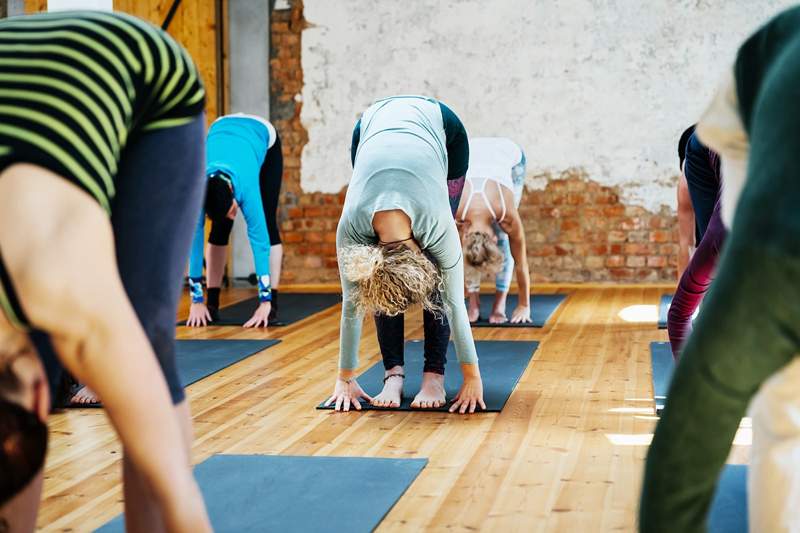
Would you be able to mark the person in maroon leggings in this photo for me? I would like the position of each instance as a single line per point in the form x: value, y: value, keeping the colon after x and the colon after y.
x: 695, y: 281
x: 702, y: 171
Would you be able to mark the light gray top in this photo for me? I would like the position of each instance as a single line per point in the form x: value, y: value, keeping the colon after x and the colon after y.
x: 401, y: 163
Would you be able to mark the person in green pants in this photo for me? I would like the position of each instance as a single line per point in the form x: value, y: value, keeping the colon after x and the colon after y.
x: 747, y: 338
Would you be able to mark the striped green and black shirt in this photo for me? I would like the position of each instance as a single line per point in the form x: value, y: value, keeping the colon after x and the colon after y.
x: 76, y: 87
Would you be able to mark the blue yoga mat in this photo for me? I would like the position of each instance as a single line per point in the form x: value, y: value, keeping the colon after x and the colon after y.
x: 663, y: 310
x: 196, y: 358
x: 246, y: 493
x: 663, y: 367
x: 542, y: 308
x: 729, y: 507
x: 502, y: 364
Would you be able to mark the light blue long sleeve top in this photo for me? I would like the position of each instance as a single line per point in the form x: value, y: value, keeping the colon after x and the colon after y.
x: 237, y: 145
x: 401, y: 163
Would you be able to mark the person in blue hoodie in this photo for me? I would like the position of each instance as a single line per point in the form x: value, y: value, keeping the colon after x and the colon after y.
x: 244, y: 166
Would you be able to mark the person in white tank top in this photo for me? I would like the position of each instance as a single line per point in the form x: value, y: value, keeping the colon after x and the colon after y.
x: 491, y: 229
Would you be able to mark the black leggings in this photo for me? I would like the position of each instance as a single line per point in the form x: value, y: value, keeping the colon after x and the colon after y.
x: 701, y: 169
x: 270, y: 182
x: 391, y: 329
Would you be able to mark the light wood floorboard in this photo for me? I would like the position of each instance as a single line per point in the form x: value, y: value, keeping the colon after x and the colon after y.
x: 566, y: 453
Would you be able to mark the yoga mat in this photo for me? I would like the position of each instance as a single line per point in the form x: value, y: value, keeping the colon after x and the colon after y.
x: 542, y: 307
x: 199, y: 358
x: 663, y: 367
x: 663, y: 310
x: 729, y: 507
x: 292, y: 307
x: 299, y: 494
x: 502, y: 364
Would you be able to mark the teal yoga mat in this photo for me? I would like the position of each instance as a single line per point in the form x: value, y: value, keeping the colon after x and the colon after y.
x: 199, y: 358
x: 663, y: 310
x: 292, y: 308
x: 663, y: 366
x: 502, y: 364
x: 729, y: 507
x: 542, y: 308
x: 283, y: 494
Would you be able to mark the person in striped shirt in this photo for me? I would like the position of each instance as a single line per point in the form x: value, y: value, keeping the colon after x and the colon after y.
x: 101, y: 152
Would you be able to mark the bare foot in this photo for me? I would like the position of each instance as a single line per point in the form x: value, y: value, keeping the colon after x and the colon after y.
x: 431, y: 394
x: 474, y: 307
x: 497, y: 318
x: 392, y: 391
x: 85, y: 395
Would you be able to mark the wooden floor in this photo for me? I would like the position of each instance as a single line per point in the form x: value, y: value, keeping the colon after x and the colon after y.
x: 566, y: 453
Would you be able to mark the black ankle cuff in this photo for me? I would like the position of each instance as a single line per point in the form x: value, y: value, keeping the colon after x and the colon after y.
x: 213, y: 297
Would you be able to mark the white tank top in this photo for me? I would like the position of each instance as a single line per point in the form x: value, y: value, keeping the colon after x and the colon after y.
x: 491, y: 159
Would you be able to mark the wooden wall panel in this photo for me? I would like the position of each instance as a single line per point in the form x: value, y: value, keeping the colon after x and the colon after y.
x: 35, y: 6
x: 194, y: 26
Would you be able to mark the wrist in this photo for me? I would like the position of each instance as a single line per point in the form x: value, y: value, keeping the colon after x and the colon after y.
x: 264, y: 288
x: 346, y: 374
x: 196, y: 290
x: 470, y: 370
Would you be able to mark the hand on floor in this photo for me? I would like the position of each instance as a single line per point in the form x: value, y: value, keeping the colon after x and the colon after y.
x: 260, y: 317
x: 471, y: 393
x: 347, y: 392
x: 521, y: 315
x: 198, y: 315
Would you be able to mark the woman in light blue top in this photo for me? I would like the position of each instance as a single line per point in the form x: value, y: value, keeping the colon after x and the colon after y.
x: 398, y: 245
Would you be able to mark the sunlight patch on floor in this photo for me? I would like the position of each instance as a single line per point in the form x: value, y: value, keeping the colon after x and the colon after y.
x: 639, y: 313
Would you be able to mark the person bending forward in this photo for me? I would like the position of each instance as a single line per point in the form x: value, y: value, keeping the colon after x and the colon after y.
x: 398, y: 246
x: 101, y: 143
x: 244, y: 166
x: 493, y: 235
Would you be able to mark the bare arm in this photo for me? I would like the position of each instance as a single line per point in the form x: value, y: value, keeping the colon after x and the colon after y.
x: 512, y: 225
x: 64, y: 269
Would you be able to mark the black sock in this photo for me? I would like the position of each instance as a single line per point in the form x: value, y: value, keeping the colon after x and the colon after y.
x: 274, y: 293
x: 213, y: 297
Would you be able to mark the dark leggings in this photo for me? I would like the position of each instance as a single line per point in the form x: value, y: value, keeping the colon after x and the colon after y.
x: 391, y: 329
x: 701, y: 169
x: 152, y: 234
x: 269, y: 178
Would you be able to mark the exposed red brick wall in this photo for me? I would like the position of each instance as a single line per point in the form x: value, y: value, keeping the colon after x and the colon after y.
x: 577, y: 229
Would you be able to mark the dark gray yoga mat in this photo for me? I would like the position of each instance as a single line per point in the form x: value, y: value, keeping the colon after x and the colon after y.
x: 198, y: 358
x: 729, y: 507
x: 542, y: 307
x: 502, y: 364
x: 292, y: 307
x: 663, y: 310
x: 663, y: 367
x: 299, y: 494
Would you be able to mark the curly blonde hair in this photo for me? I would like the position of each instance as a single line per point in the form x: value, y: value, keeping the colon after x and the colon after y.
x: 481, y: 254
x: 388, y: 282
